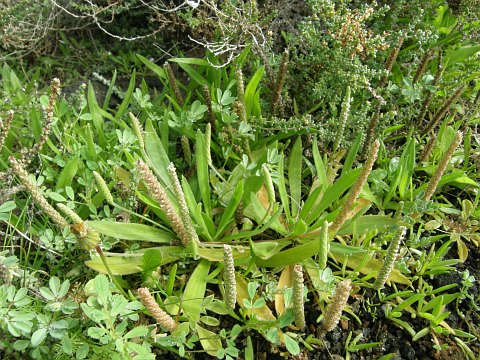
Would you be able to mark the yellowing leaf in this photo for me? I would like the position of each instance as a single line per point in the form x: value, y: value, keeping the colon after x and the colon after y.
x: 285, y: 281
x: 121, y: 265
x: 210, y: 341
x: 263, y: 313
x: 462, y: 250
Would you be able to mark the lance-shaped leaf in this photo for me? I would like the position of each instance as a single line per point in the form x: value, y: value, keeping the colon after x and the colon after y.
x: 131, y: 231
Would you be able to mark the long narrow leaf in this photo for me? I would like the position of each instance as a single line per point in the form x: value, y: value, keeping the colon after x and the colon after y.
x: 195, y: 291
x: 251, y: 90
x: 131, y: 231
x: 229, y: 212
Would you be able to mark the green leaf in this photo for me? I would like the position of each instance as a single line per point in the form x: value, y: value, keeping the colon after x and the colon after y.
x: 152, y: 258
x: 320, y: 167
x: 56, y: 196
x: 291, y: 345
x: 82, y: 352
x: 158, y: 158
x: 124, y: 264
x: 251, y: 90
x: 352, y: 154
x: 131, y: 231
x: 54, y: 285
x: 7, y: 206
x: 282, y: 190
x: 195, y: 291
x: 118, y: 265
x: 256, y: 211
x: 96, y: 332
x: 127, y: 96
x: 102, y: 288
x: 227, y: 216
x: 68, y: 173
x: 333, y: 193
x: 38, y: 337
x: 21, y: 345
x: 194, y: 74
x: 97, y: 117
x: 158, y: 70
x: 190, y: 61
x: 365, y: 223
x: 138, y: 331
x: 459, y: 55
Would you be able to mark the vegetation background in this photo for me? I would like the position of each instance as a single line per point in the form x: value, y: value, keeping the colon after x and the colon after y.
x: 239, y: 179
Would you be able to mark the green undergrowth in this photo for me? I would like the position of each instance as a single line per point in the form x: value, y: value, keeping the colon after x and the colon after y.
x: 238, y: 207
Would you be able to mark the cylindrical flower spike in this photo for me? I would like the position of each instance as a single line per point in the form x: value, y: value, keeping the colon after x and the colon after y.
x: 159, y: 195
x: 389, y: 261
x: 154, y: 309
x: 356, y: 188
x: 229, y: 277
x: 442, y: 166
x: 187, y: 152
x: 184, y: 212
x: 36, y: 194
x: 339, y: 301
x: 70, y: 213
x: 298, y: 302
x: 102, y: 186
x: 5, y: 128
x: 173, y: 84
x: 137, y: 129
x: 324, y: 246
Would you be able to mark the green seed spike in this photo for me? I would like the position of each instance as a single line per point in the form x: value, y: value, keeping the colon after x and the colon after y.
x: 70, y: 213
x: 229, y: 277
x: 298, y: 303
x: 442, y: 166
x: 187, y: 152
x: 324, y: 246
x: 137, y: 129
x: 390, y: 258
x: 103, y: 188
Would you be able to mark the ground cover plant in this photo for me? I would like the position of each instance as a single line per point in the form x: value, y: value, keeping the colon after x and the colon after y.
x: 312, y: 197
